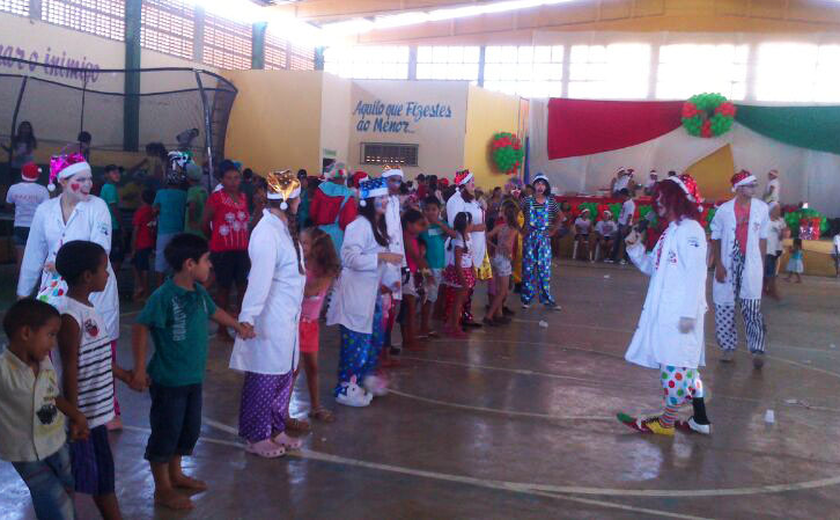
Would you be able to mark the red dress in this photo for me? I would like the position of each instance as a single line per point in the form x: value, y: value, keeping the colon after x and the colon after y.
x: 230, y: 222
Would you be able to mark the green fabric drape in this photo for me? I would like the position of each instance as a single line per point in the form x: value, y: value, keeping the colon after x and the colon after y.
x: 812, y: 127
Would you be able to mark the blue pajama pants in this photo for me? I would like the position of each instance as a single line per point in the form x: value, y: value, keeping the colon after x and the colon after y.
x: 360, y: 352
x: 536, y: 268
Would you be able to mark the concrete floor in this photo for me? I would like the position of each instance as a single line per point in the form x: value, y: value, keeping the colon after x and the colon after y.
x: 519, y: 422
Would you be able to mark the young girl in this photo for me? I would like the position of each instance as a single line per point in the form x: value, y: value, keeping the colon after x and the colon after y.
x: 505, y: 233
x: 356, y: 303
x: 459, y: 274
x: 582, y: 227
x: 322, y: 269
x: 272, y: 305
x: 795, y: 265
x: 413, y: 223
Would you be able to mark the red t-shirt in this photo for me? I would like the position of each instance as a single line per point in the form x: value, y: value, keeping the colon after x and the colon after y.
x: 230, y: 222
x: 742, y: 226
x: 145, y: 235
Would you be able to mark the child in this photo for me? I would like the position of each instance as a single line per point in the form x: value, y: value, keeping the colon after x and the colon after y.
x: 835, y: 253
x: 459, y: 274
x: 413, y: 224
x: 25, y: 196
x: 795, y: 265
x: 606, y: 231
x: 176, y: 316
x: 32, y: 435
x: 88, y: 370
x: 169, y: 206
x: 357, y: 302
x: 322, y: 269
x: 111, y: 197
x: 775, y: 236
x: 582, y: 227
x: 196, y: 199
x: 144, y: 242
x: 435, y: 256
x: 505, y: 233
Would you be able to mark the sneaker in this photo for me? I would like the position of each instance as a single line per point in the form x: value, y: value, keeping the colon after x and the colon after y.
x: 758, y: 360
x: 623, y: 262
x: 608, y: 261
x: 376, y: 385
x: 728, y: 356
x: 526, y: 305
x: 651, y: 425
x: 351, y: 394
x: 691, y: 425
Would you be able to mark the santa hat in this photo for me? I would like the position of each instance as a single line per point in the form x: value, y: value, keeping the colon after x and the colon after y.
x: 689, y: 187
x: 358, y: 177
x: 387, y: 171
x: 30, y: 172
x: 742, y: 178
x: 282, y: 185
x: 443, y: 182
x: 65, y: 166
x: 372, y: 188
x: 607, y: 214
x: 462, y: 177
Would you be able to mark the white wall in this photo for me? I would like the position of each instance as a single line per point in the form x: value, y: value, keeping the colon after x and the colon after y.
x: 440, y: 139
x: 336, y: 95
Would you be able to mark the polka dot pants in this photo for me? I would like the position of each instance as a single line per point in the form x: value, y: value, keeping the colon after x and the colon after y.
x: 360, y: 352
x: 265, y: 401
x: 680, y: 385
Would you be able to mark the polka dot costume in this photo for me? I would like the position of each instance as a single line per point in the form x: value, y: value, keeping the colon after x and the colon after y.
x: 680, y: 385
x: 265, y: 402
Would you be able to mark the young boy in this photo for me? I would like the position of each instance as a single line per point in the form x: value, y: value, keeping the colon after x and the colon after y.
x: 88, y: 370
x: 169, y: 205
x: 111, y: 197
x: 196, y: 199
x: 144, y: 243
x: 434, y: 237
x: 176, y: 316
x: 32, y: 435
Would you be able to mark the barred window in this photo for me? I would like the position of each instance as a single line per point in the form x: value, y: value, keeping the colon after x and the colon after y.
x: 104, y: 18
x: 276, y: 50
x: 441, y: 62
x: 390, y: 153
x: 168, y: 26
x: 227, y: 44
x: 302, y: 58
x: 20, y: 7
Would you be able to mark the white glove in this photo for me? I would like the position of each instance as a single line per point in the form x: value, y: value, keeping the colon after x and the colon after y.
x: 687, y: 325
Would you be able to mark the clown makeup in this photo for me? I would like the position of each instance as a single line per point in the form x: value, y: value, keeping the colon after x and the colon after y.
x: 78, y: 186
x: 540, y: 187
x: 394, y: 183
x: 380, y: 204
x: 748, y: 190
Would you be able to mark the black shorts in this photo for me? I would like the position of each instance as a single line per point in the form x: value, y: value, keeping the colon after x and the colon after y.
x: 21, y: 235
x: 93, y: 463
x: 117, y: 247
x: 770, y: 265
x: 175, y: 419
x: 141, y: 259
x: 231, y: 267
x: 582, y: 236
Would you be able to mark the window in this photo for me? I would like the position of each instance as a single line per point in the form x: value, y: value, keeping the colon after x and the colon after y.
x: 799, y: 72
x: 19, y: 7
x: 227, y: 44
x: 301, y: 57
x: 104, y: 18
x: 687, y: 69
x: 168, y: 26
x: 390, y: 153
x: 453, y: 63
x: 615, y: 71
x: 276, y: 50
x: 367, y: 62
x: 526, y: 71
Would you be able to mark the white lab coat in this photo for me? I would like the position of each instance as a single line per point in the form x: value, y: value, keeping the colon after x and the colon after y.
x: 455, y: 205
x: 677, y: 289
x: 272, y: 301
x: 91, y: 221
x: 354, y: 298
x: 393, y: 222
x: 723, y: 229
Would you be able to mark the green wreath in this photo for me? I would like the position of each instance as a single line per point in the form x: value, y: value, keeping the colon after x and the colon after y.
x: 708, y: 115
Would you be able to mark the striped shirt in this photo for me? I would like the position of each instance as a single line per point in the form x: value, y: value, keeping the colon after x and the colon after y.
x: 95, y: 376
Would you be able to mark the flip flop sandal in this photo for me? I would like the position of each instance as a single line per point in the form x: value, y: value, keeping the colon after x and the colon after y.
x: 297, y: 425
x: 266, y: 449
x: 286, y: 442
x: 323, y: 415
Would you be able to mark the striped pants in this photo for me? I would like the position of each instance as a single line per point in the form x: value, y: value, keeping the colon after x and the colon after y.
x: 725, y: 331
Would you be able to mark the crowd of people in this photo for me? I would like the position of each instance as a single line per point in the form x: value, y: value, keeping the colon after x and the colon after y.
x: 365, y: 252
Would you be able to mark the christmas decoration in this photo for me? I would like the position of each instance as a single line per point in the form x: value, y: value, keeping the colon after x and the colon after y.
x: 708, y: 115
x: 507, y: 152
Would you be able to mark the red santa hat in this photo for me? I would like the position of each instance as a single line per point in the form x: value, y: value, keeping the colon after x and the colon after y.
x: 689, y: 186
x: 742, y: 178
x: 358, y: 177
x: 30, y: 172
x: 443, y: 182
x: 462, y: 177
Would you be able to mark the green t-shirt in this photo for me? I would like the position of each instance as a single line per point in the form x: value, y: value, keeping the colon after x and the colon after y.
x: 198, y: 195
x: 171, y: 217
x: 177, y: 319
x: 109, y: 194
x: 434, y: 238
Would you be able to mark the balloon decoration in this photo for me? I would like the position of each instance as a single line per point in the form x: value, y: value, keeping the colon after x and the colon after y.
x: 507, y: 152
x: 708, y: 115
x: 808, y: 224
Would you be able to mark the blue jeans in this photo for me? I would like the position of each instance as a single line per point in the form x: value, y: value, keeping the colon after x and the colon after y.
x: 50, y: 483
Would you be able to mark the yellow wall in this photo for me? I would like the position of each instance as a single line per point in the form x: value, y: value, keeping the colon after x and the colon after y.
x: 713, y: 173
x: 276, y: 120
x: 487, y: 113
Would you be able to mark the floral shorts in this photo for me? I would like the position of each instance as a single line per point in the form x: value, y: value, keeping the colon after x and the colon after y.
x: 680, y: 385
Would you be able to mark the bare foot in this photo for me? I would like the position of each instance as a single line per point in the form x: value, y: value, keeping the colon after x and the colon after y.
x: 173, y: 500
x: 185, y: 482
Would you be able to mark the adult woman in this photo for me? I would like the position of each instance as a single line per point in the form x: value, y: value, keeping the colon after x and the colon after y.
x: 542, y: 221
x: 272, y: 306
x: 670, y: 332
x: 464, y: 200
x: 73, y: 215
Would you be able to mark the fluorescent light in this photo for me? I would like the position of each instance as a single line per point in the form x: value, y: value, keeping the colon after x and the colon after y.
x: 400, y: 20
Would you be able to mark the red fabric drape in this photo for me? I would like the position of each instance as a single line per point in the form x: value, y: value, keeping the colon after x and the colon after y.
x: 583, y: 126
